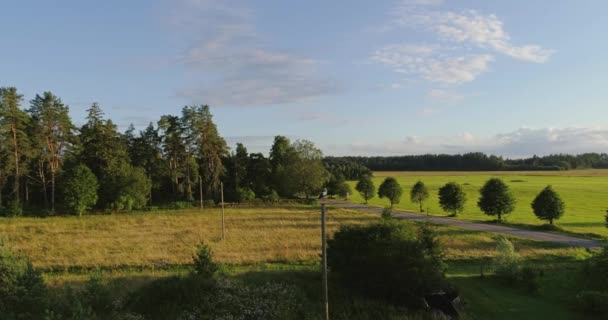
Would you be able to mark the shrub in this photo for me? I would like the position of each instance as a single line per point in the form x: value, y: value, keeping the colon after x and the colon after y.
x: 387, y: 213
x: 80, y: 189
x: 529, y: 278
x: 595, y: 302
x: 12, y: 209
x: 606, y: 218
x: 22, y: 290
x: 596, y: 270
x: 203, y: 262
x: 245, y: 194
x: 385, y: 261
x: 507, y: 263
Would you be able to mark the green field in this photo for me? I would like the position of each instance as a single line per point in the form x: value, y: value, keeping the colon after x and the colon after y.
x: 585, y: 193
x: 278, y: 244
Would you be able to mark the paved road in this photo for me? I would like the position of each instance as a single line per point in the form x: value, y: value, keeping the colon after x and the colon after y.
x: 522, y: 233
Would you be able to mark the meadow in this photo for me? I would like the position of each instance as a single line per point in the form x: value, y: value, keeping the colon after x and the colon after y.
x: 276, y: 244
x: 585, y: 193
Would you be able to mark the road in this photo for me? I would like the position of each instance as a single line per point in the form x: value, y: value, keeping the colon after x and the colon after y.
x: 477, y: 226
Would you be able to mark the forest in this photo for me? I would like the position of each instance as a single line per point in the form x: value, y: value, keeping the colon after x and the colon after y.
x: 49, y: 165
x: 478, y: 161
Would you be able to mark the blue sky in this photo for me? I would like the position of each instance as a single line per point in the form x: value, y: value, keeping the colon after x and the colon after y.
x: 356, y: 77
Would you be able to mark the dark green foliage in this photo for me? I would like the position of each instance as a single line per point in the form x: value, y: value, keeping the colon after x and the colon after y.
x: 496, y: 198
x: 592, y: 302
x: 548, y: 205
x: 80, y: 189
x: 386, y: 262
x: 480, y: 162
x: 387, y: 213
x: 22, y: 290
x: 529, y: 278
x: 348, y: 169
x: 245, y: 194
x: 366, y: 187
x: 390, y: 189
x: 132, y: 188
x: 596, y: 270
x: 337, y: 186
x: 203, y: 262
x: 419, y: 193
x: 452, y: 198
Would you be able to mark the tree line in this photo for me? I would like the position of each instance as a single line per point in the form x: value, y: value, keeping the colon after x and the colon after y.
x: 47, y: 163
x: 495, y: 197
x: 478, y: 161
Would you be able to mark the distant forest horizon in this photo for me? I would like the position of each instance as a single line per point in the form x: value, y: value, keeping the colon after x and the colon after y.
x: 473, y: 161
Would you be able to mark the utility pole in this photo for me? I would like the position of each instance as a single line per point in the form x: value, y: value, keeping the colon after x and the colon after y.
x: 222, y: 193
x: 200, y: 187
x: 324, y: 263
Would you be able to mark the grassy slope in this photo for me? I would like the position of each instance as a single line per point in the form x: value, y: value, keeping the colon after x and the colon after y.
x: 275, y: 244
x: 585, y: 193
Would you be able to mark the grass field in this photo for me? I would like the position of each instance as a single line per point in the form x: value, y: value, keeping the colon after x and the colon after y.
x: 585, y: 193
x: 274, y: 244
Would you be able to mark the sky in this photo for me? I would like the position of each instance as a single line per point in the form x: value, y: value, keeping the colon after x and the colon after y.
x: 512, y: 78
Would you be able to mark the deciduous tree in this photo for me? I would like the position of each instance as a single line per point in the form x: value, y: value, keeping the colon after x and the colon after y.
x: 452, y: 198
x: 366, y: 187
x: 548, y: 205
x: 496, y: 199
x: 390, y: 189
x: 419, y: 193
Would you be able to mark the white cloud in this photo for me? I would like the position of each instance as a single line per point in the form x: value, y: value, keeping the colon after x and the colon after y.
x: 523, y: 142
x: 431, y: 64
x: 230, y: 64
x: 468, y: 27
x: 484, y: 31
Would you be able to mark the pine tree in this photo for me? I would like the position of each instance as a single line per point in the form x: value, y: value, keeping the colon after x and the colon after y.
x: 13, y: 126
x: 53, y: 133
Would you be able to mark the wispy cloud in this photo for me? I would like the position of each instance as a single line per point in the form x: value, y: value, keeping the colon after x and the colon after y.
x: 464, y: 45
x: 233, y: 65
x: 430, y: 63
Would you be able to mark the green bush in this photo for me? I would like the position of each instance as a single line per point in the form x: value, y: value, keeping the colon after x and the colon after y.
x: 203, y: 262
x: 507, y: 263
x: 245, y: 194
x: 386, y: 261
x: 596, y: 270
x: 12, y: 209
x: 22, y: 289
x: 387, y: 213
x: 529, y: 278
x: 179, y: 205
x: 80, y: 189
x: 594, y: 302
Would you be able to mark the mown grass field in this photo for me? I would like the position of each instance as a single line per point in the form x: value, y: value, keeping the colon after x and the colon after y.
x: 585, y: 193
x: 275, y: 244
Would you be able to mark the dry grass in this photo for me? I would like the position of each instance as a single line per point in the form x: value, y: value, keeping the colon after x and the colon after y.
x: 166, y: 239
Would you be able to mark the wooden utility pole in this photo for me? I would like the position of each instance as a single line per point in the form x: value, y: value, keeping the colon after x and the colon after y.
x: 222, y: 194
x: 200, y: 189
x: 324, y: 263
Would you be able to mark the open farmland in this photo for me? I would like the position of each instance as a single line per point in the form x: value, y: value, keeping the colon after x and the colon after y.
x: 585, y: 193
x: 273, y: 244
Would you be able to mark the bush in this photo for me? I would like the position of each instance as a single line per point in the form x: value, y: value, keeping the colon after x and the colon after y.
x: 80, y: 189
x: 507, y: 263
x: 385, y: 261
x: 245, y: 194
x: 203, y: 262
x: 233, y: 301
x: 179, y: 205
x: 592, y: 302
x: 596, y: 269
x: 22, y: 290
x: 12, y: 209
x: 529, y: 278
x: 387, y: 213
